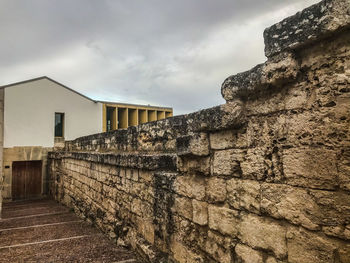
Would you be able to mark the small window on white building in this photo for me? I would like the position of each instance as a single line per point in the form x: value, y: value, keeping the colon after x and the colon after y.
x: 59, y: 124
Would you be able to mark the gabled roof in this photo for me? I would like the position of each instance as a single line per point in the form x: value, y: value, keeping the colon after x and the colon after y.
x: 45, y: 77
x: 86, y: 97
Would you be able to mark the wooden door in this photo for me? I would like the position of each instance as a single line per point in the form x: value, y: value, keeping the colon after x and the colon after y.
x: 26, y: 179
x: 18, y: 180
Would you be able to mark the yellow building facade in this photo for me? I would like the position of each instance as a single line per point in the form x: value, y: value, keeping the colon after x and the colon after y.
x: 121, y: 116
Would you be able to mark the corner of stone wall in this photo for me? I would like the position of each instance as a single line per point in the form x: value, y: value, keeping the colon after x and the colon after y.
x: 283, y: 41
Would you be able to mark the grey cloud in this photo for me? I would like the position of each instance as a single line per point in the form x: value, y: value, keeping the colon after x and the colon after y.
x: 173, y: 53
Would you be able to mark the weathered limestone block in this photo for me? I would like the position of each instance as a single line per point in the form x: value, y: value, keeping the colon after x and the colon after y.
x: 143, y: 192
x: 190, y: 186
x: 225, y: 139
x: 291, y: 203
x: 219, y: 253
x: 246, y: 254
x: 227, y: 162
x: 244, y: 194
x: 344, y: 253
x: 183, y: 227
x: 183, y: 206
x: 253, y: 166
x: 301, y: 169
x: 219, y: 247
x: 261, y: 131
x: 95, y: 185
x: 145, y: 250
x: 223, y: 220
x: 199, y: 165
x: 197, y: 237
x: 276, y: 72
x: 200, y: 212
x: 305, y: 247
x: 333, y: 98
x: 196, y: 144
x: 224, y: 241
x: 342, y: 232
x: 137, y: 189
x: 146, y: 210
x: 183, y: 255
x: 216, y: 190
x: 273, y: 133
x: 146, y: 176
x: 311, y: 24
x: 264, y: 233
x: 344, y: 169
x: 335, y: 207
x: 317, y: 128
x: 272, y: 260
x: 226, y: 116
x: 146, y: 229
x: 155, y: 136
x: 312, y: 127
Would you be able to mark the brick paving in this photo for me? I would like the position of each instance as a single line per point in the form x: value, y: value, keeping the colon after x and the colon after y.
x: 45, y: 231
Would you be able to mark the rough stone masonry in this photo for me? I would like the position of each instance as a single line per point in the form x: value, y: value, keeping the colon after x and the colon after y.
x: 264, y: 178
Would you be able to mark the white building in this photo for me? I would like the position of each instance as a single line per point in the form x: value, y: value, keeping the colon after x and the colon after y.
x: 30, y: 110
x: 38, y: 114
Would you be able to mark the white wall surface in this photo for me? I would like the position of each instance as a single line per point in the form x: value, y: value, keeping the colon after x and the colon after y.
x: 29, y: 114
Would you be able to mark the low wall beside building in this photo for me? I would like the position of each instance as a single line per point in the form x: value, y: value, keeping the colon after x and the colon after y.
x: 263, y: 178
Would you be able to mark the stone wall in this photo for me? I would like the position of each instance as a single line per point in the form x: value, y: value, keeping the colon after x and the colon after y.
x: 263, y: 178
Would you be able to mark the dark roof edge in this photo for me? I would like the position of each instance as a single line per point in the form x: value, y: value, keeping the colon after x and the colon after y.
x: 136, y: 105
x: 54, y: 81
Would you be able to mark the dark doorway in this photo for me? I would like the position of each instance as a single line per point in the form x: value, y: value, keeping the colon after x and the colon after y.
x: 26, y: 179
x: 110, y: 119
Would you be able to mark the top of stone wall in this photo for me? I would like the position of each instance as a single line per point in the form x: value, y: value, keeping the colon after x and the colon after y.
x: 311, y: 24
x: 161, y: 136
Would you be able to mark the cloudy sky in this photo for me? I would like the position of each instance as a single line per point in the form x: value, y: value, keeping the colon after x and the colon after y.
x: 159, y: 52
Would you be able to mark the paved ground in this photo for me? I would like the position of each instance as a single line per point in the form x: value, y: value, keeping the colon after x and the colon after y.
x: 44, y: 231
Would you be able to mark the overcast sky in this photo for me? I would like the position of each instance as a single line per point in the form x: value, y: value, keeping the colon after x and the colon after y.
x: 173, y: 53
